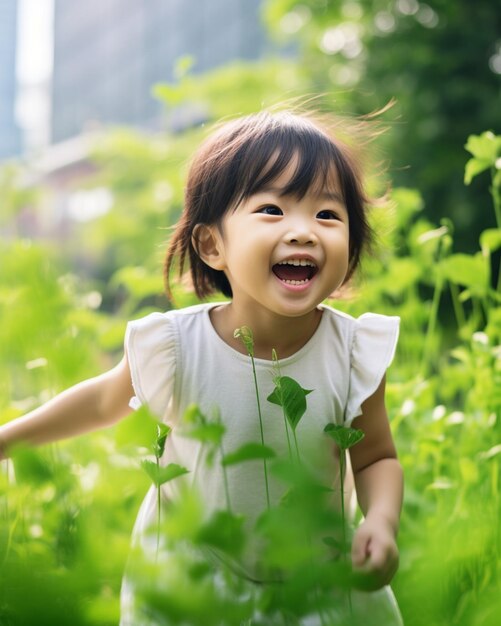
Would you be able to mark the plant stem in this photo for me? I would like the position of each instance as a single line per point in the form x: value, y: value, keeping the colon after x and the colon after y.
x: 225, y: 479
x: 158, y: 509
x: 433, y: 319
x: 283, y: 410
x: 297, y: 446
x: 458, y: 308
x: 496, y: 198
x: 261, y: 428
x: 342, y: 472
x: 287, y: 433
x: 342, y: 461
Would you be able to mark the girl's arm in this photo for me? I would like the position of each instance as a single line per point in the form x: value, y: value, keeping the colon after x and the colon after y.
x: 379, y: 485
x: 92, y: 404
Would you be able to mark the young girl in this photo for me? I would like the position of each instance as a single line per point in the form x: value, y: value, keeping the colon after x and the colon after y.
x: 275, y: 219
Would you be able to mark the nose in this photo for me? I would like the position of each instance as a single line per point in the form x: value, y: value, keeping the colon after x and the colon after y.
x: 301, y: 234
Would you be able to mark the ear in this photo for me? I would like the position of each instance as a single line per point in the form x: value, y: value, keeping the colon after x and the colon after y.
x: 208, y: 244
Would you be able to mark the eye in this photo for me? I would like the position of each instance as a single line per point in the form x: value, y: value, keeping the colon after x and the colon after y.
x: 270, y: 209
x: 328, y: 215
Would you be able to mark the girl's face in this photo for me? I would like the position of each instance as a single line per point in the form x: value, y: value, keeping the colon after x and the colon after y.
x: 281, y: 253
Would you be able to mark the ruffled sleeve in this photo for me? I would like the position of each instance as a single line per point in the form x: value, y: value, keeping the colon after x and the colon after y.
x: 150, y: 344
x: 372, y: 350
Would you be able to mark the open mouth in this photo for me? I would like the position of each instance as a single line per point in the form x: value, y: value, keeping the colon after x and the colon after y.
x: 295, y: 271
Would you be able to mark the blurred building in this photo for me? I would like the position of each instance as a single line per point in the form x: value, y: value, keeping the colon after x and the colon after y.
x: 109, y: 53
x: 10, y: 137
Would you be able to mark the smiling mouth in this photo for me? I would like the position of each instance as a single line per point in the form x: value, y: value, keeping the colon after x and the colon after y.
x: 295, y: 271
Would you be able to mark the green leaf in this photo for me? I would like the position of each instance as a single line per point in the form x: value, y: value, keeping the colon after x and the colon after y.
x: 289, y: 394
x: 197, y: 426
x: 193, y: 415
x: 485, y: 149
x: 490, y: 239
x: 467, y: 270
x: 137, y: 429
x: 344, y: 436
x: 473, y: 168
x: 248, y: 452
x: 211, y: 432
x: 162, y: 433
x: 161, y: 475
x: 485, y: 146
x: 225, y: 531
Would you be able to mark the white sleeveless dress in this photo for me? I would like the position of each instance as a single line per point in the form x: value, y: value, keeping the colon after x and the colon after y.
x: 177, y: 359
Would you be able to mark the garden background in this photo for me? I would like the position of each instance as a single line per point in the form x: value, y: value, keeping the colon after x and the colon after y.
x: 66, y: 510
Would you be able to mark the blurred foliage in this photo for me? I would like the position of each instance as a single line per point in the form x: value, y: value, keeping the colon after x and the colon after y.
x: 440, y: 61
x: 66, y: 510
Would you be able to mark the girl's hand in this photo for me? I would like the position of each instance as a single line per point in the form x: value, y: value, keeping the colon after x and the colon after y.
x: 374, y: 554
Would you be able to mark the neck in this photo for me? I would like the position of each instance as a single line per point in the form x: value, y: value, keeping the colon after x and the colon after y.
x: 286, y: 335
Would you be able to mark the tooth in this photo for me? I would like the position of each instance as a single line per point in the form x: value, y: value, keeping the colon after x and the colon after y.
x: 295, y: 282
x: 297, y: 262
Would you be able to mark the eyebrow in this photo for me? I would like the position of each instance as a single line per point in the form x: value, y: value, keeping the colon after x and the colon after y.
x: 326, y: 195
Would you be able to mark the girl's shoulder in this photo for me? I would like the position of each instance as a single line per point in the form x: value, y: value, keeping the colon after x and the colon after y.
x: 173, y: 317
x: 366, y: 324
x: 166, y: 331
x: 154, y: 346
x: 370, y: 341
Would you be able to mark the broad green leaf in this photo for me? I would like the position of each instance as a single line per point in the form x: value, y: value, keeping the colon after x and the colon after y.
x: 248, y: 452
x: 289, y: 394
x: 490, y: 239
x: 137, y: 429
x: 210, y: 432
x: 161, y: 475
x: 485, y: 149
x: 467, y: 270
x: 473, y: 168
x: 225, y: 531
x: 296, y: 475
x: 485, y: 146
x: 193, y: 415
x: 344, y: 436
x: 197, y: 426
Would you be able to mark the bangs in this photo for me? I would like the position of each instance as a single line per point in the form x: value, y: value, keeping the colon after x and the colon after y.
x: 318, y: 162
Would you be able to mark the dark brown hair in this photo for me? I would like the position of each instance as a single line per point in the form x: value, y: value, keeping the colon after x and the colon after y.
x: 244, y: 156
